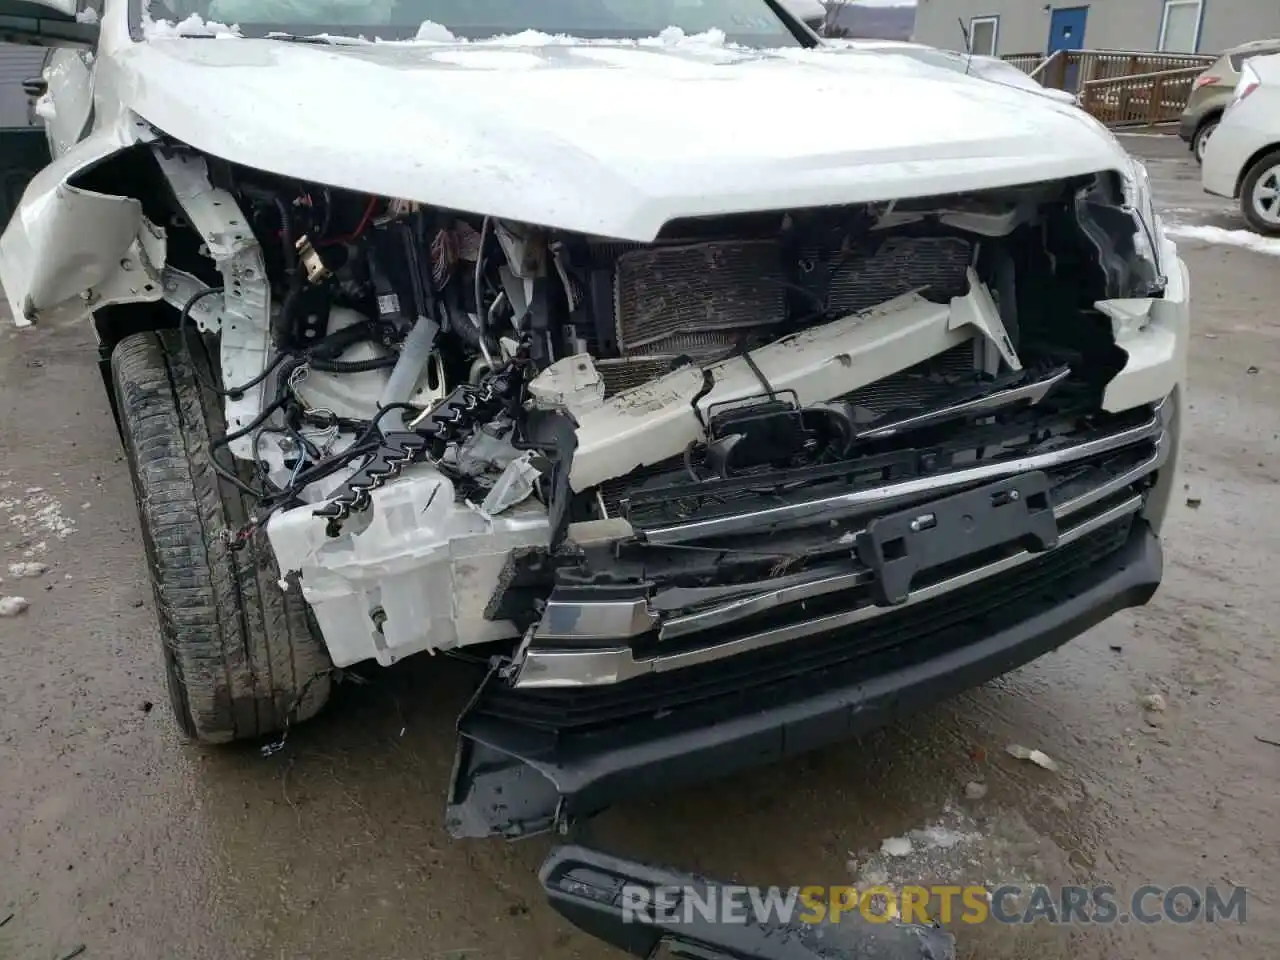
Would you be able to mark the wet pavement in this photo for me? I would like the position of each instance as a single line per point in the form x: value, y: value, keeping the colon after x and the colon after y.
x: 116, y: 836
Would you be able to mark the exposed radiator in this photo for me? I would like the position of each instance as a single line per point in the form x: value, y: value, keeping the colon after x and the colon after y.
x: 701, y: 299
x: 704, y: 292
x: 899, y: 265
x: 921, y: 386
x: 623, y: 373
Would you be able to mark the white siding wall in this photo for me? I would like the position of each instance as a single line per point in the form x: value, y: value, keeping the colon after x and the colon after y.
x: 1111, y: 24
x: 17, y: 63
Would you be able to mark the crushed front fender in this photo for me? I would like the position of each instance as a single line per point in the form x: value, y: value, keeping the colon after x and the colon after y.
x: 68, y: 250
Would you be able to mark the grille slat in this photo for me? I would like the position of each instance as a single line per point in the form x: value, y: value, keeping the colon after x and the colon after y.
x: 892, y: 640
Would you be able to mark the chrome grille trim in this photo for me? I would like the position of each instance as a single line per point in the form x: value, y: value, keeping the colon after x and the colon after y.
x: 903, y: 493
x: 747, y: 606
x: 600, y: 667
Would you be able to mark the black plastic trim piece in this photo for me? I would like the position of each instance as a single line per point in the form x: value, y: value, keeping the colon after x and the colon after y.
x: 511, y: 780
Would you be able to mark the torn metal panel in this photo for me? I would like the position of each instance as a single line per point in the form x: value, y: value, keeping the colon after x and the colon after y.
x: 661, y: 418
x: 68, y: 251
x: 979, y: 310
x: 180, y: 287
x: 572, y: 384
x: 1153, y: 333
x: 246, y: 297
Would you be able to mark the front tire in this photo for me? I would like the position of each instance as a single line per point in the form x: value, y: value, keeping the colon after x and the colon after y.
x: 1201, y: 138
x: 241, y: 659
x: 1260, y: 195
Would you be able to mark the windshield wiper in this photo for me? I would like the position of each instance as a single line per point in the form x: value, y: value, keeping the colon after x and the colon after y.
x: 321, y: 39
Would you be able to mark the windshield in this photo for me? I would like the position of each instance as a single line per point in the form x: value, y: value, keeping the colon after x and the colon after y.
x: 751, y: 23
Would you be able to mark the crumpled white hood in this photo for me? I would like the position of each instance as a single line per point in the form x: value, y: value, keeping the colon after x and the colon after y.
x: 609, y: 139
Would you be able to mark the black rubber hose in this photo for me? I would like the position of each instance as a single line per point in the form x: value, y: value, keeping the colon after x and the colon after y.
x: 286, y: 235
x: 282, y: 323
x: 333, y: 345
x: 351, y: 366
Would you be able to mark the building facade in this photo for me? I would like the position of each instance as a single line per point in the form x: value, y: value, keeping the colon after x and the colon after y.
x: 1004, y: 27
x: 17, y: 63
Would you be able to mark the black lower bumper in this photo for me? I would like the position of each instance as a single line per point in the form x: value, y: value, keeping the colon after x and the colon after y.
x: 638, y: 908
x: 513, y: 779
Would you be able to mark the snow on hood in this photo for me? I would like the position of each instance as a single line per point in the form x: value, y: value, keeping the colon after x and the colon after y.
x: 609, y: 138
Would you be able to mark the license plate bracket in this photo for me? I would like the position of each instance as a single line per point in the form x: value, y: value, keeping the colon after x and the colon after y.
x: 901, y: 545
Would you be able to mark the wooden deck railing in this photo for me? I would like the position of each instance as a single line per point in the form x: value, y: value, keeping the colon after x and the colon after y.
x: 1146, y: 99
x: 1026, y: 62
x: 1071, y: 69
x: 1120, y: 87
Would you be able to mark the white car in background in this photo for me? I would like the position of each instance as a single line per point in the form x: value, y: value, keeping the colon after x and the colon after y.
x: 1242, y: 160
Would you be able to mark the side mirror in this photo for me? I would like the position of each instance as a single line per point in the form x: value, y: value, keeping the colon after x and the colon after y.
x: 45, y: 23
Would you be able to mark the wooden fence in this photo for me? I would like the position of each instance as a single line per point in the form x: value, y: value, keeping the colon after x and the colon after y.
x: 1120, y: 87
x: 1146, y: 100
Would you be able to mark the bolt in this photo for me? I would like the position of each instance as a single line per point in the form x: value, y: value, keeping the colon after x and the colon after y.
x: 1014, y: 495
x: 126, y: 264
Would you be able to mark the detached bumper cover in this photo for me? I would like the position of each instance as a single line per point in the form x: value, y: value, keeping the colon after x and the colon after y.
x: 530, y: 760
x: 626, y: 903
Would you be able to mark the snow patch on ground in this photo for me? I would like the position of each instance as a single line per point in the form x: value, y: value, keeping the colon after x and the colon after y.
x: 28, y: 568
x: 37, y: 514
x: 1235, y: 238
x: 956, y: 848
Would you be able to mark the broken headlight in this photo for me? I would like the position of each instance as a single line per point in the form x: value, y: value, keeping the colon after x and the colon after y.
x: 1149, y: 238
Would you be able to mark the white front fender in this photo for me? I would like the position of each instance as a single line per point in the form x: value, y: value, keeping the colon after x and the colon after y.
x: 69, y: 251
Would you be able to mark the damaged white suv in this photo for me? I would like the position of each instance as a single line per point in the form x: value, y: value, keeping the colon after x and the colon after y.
x: 717, y: 394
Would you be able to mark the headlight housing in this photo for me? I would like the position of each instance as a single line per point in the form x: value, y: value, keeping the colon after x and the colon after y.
x: 1149, y: 240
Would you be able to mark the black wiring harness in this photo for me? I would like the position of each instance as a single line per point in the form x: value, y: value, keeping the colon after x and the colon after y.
x: 320, y: 356
x: 465, y: 408
x: 386, y: 454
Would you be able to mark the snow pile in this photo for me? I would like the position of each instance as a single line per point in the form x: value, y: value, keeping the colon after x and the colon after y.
x: 87, y: 15
x: 430, y: 32
x: 45, y: 108
x: 194, y: 25
x: 1235, y: 238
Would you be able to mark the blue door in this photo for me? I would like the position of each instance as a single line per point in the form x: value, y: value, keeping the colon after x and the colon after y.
x: 1066, y: 32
